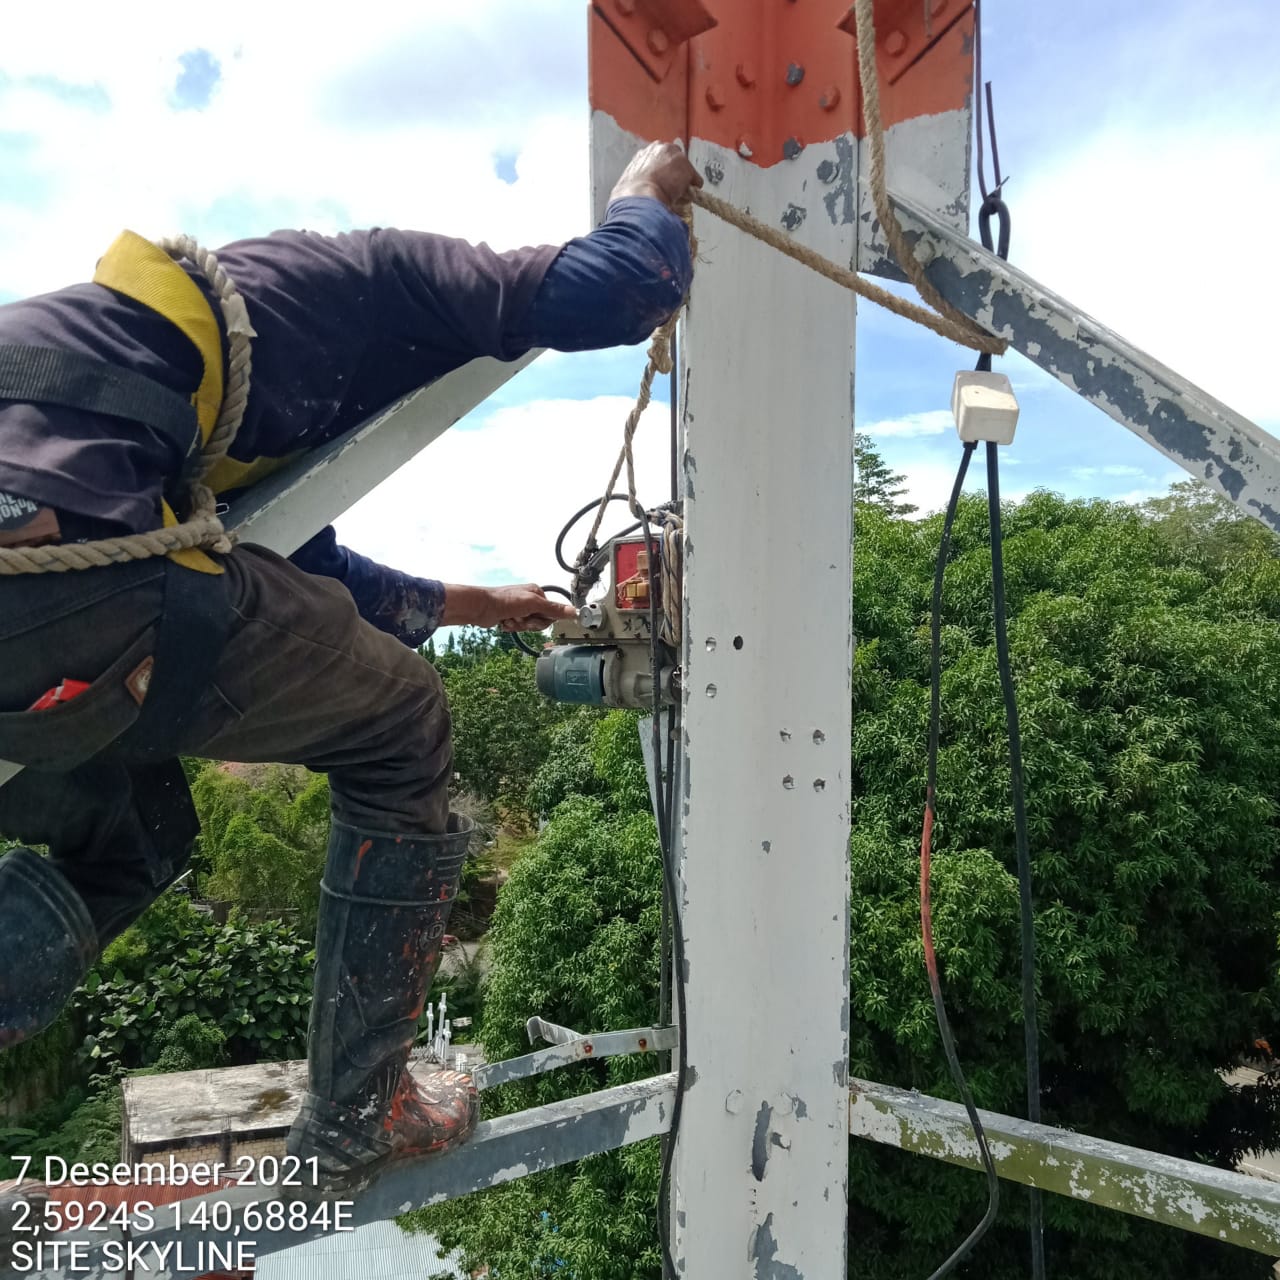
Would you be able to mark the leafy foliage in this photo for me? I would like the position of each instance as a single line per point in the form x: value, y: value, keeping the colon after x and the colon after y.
x: 575, y: 938
x: 264, y: 832
x: 250, y: 985
x: 1148, y: 681
x: 874, y: 484
x: 501, y: 725
x: 82, y: 1125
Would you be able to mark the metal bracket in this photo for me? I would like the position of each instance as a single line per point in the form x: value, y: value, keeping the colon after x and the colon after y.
x: 654, y: 29
x: 568, y: 1046
x: 552, y: 1032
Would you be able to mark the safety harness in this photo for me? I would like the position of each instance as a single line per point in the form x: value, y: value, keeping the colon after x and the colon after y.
x: 193, y: 625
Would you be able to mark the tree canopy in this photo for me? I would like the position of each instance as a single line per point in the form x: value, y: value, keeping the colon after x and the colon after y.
x: 1147, y: 671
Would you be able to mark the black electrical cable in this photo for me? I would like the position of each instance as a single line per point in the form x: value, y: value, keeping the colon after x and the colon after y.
x: 664, y: 924
x: 935, y: 982
x: 665, y: 809
x: 577, y: 515
x: 993, y: 205
x: 1030, y: 1023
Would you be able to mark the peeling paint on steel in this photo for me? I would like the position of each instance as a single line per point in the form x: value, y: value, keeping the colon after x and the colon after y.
x: 764, y: 1253
x: 736, y: 1170
x: 839, y: 176
x: 1214, y: 1202
x: 1202, y: 435
x: 760, y: 1142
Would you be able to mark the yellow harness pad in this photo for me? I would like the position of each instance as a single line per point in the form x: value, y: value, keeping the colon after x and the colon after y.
x: 142, y: 271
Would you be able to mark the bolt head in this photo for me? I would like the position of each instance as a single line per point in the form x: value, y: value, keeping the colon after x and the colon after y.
x: 625, y: 7
x: 657, y: 40
x: 795, y: 73
x: 745, y: 74
x: 715, y: 97
x: 792, y: 148
x: 745, y: 149
x: 829, y: 98
x: 895, y: 44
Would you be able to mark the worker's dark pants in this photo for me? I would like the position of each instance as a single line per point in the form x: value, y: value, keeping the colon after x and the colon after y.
x: 302, y: 679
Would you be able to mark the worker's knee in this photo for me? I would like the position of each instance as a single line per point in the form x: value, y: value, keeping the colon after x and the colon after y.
x: 404, y: 786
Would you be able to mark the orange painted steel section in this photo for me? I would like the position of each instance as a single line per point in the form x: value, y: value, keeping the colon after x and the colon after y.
x: 655, y: 30
x: 774, y: 75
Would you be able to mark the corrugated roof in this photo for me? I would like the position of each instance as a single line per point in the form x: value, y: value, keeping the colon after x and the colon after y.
x: 380, y: 1251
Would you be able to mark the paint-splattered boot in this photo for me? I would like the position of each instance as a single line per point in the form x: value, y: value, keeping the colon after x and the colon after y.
x: 47, y: 943
x: 385, y: 901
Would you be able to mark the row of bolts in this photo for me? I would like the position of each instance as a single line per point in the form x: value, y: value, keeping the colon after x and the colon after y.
x: 894, y: 43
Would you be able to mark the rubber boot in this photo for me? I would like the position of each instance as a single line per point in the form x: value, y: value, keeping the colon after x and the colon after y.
x: 47, y: 944
x: 384, y: 903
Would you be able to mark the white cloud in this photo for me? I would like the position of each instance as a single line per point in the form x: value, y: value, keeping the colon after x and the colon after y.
x: 1114, y: 469
x: 1141, y: 228
x: 265, y: 153
x: 487, y: 504
x: 930, y: 422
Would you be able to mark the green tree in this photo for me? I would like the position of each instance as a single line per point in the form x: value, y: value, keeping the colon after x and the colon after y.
x: 874, y: 484
x: 575, y: 938
x: 502, y: 725
x: 1202, y: 525
x: 264, y: 832
x: 1149, y: 681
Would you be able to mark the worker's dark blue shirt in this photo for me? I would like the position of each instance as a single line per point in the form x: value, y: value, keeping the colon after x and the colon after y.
x: 345, y: 325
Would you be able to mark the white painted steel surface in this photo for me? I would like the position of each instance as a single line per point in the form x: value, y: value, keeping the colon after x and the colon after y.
x: 762, y: 1157
x: 282, y: 512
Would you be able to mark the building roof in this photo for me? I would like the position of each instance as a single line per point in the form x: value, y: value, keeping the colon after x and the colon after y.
x: 380, y: 1251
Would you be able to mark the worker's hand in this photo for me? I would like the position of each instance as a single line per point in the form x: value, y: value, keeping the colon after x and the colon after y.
x: 524, y: 608
x: 661, y: 170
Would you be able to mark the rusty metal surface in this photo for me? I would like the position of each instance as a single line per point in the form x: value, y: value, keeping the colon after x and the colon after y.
x: 1209, y: 440
x: 583, y: 1048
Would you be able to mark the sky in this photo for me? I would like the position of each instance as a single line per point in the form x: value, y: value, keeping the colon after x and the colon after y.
x: 1141, y: 144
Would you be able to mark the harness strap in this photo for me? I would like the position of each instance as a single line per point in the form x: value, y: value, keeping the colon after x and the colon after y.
x: 44, y: 375
x: 193, y: 630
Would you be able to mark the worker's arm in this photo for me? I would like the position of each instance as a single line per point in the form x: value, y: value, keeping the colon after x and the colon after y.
x: 610, y: 288
x: 606, y: 289
x: 411, y: 608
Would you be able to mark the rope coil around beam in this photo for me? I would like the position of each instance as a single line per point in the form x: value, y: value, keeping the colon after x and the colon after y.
x: 202, y: 530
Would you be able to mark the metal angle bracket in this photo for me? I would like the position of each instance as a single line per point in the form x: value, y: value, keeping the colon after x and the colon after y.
x: 654, y: 30
x: 574, y: 1048
x: 550, y: 1032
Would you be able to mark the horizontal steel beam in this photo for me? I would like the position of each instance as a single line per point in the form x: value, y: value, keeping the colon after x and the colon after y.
x: 499, y: 1151
x: 286, y: 509
x: 1202, y: 435
x: 1179, y: 1193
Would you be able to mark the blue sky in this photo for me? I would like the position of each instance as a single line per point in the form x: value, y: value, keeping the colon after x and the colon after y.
x: 1143, y: 149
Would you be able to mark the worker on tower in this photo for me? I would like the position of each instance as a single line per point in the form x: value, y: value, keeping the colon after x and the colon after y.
x: 109, y: 674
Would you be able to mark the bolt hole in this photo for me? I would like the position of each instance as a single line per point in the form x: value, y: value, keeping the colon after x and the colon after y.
x: 737, y: 642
